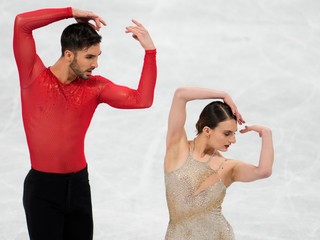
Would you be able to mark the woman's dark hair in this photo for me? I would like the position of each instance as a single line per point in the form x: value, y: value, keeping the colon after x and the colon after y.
x: 78, y: 36
x: 214, y: 113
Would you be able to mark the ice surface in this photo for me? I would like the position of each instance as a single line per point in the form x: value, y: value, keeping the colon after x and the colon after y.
x: 265, y: 53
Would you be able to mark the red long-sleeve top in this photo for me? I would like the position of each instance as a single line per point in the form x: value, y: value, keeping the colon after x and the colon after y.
x: 56, y: 116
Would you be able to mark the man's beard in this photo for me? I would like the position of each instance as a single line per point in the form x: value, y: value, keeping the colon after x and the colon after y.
x: 76, y: 69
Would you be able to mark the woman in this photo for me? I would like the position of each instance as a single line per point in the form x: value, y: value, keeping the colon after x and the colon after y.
x: 196, y: 173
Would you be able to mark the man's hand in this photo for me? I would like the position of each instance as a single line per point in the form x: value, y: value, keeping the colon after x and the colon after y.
x: 141, y: 34
x: 82, y: 16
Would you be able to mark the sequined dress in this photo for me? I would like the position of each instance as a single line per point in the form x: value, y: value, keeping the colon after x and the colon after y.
x: 196, y: 214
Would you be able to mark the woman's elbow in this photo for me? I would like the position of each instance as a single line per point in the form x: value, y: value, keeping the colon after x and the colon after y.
x: 265, y: 173
x: 180, y: 92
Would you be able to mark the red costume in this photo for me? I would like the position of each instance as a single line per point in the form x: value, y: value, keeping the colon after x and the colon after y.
x: 56, y: 116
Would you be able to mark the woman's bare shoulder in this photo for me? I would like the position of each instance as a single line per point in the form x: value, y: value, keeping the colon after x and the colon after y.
x: 177, y: 155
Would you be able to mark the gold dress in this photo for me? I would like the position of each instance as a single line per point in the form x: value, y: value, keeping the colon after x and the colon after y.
x: 196, y: 214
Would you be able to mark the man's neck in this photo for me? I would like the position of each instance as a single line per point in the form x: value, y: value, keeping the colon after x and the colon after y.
x: 61, y: 71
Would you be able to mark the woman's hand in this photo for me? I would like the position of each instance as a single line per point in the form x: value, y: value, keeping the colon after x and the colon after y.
x: 228, y: 100
x: 261, y: 130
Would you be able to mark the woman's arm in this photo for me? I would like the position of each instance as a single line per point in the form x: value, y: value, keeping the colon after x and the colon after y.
x: 177, y: 114
x: 176, y: 140
x: 244, y: 172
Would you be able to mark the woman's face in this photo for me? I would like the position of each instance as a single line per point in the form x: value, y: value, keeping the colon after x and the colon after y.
x: 223, y: 135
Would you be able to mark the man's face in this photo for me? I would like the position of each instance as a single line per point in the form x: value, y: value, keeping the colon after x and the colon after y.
x: 85, y: 61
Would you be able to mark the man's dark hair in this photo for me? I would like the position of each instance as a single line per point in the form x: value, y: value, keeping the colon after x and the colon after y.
x: 78, y: 36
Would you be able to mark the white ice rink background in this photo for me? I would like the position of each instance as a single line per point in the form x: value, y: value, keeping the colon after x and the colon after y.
x: 265, y: 53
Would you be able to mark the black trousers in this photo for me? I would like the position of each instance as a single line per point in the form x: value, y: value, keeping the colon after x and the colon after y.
x: 58, y: 206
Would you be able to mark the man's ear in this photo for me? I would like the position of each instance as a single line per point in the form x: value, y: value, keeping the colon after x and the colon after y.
x: 69, y: 55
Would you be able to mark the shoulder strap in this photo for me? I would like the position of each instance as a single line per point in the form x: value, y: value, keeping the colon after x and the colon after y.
x: 217, y: 170
x: 221, y: 165
x: 191, y: 147
x: 210, y: 158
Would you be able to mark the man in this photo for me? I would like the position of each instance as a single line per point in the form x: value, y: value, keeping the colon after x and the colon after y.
x: 58, y: 103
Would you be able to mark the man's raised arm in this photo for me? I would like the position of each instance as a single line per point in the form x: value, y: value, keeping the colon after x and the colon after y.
x: 28, y: 62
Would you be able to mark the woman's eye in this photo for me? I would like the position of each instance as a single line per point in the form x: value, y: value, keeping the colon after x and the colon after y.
x: 228, y: 134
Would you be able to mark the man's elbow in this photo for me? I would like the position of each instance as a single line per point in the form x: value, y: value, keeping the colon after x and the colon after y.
x: 19, y: 21
x: 18, y: 18
x: 146, y: 104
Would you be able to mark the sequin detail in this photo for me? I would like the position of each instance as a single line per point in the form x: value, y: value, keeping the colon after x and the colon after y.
x: 195, y: 216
